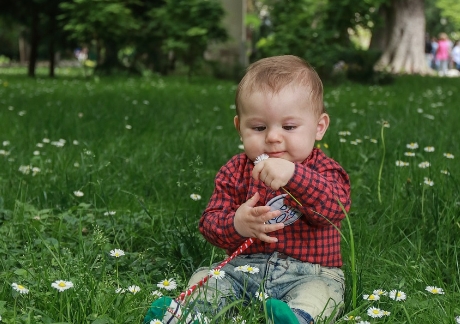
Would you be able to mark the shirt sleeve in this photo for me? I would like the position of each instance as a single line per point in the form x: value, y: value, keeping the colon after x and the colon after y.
x: 216, y: 223
x: 323, y: 187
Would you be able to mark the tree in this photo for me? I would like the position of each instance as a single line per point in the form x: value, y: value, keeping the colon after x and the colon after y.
x: 400, y: 35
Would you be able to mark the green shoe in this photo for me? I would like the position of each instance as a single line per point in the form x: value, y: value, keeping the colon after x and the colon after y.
x: 280, y: 312
x: 167, y: 310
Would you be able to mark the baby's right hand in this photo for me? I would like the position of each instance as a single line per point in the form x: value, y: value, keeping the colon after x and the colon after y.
x: 250, y: 221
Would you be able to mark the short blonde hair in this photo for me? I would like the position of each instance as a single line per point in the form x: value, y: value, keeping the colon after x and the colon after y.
x: 272, y: 74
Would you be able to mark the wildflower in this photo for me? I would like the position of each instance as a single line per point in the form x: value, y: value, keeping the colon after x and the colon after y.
x: 424, y: 164
x: 412, y: 146
x: 351, y: 318
x: 374, y: 312
x: 380, y: 292
x: 402, y: 163
x: 428, y: 182
x: 46, y: 140
x: 78, y: 193
x: 76, y: 164
x: 429, y: 149
x: 35, y: 170
x: 371, y: 297
x: 239, y: 319
x: 241, y: 147
x: 20, y: 288
x: 252, y: 270
x: 155, y: 321
x: 241, y: 268
x: 373, y: 140
x: 342, y: 140
x: 419, y: 110
x: 435, y: 290
x: 120, y: 291
x: 117, y: 253
x: 448, y: 155
x: 5, y: 153
x: 62, y: 285
x: 110, y: 213
x: 445, y: 172
x: 386, y: 313
x: 36, y: 153
x: 344, y: 133
x: 168, y: 284
x: 363, y: 322
x: 353, y: 142
x: 195, y: 197
x: 58, y: 143
x: 128, y: 127
x: 75, y: 142
x: 25, y: 169
x: 134, y: 289
x: 397, y: 295
x: 457, y: 319
x: 216, y: 273
x: 157, y: 293
x: 260, y: 158
x: 409, y: 153
x: 40, y: 145
x: 6, y: 143
x: 262, y: 295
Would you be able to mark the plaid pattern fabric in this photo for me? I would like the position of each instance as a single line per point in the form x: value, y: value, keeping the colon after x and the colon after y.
x: 317, y: 183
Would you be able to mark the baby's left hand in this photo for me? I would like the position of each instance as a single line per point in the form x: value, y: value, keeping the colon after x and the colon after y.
x: 274, y: 172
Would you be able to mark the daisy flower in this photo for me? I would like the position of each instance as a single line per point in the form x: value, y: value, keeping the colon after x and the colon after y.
x: 20, y: 288
x: 241, y: 147
x: 373, y: 140
x: 260, y: 158
x: 120, y: 291
x: 397, y: 295
x: 351, y: 318
x: 374, y: 312
x: 216, y: 273
x: 402, y: 163
x: 195, y: 196
x: 412, y: 146
x: 78, y: 193
x: 344, y: 133
x: 457, y: 319
x: 117, y: 253
x: 428, y: 182
x: 363, y: 322
x: 110, y: 213
x: 241, y: 268
x: 62, y: 285
x: 262, y: 295
x: 424, y: 164
x: 386, y: 313
x: 157, y: 293
x: 429, y: 149
x: 380, y: 292
x: 448, y: 155
x: 435, y: 290
x: 409, y: 153
x: 134, y: 289
x: 168, y: 284
x: 155, y: 321
x: 342, y: 140
x: 445, y: 172
x: 371, y: 297
x: 252, y: 270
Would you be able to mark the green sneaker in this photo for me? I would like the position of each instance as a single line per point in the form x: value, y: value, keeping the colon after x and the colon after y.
x: 167, y: 310
x: 280, y: 312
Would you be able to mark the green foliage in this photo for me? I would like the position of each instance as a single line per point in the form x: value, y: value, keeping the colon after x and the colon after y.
x: 187, y: 27
x: 450, y: 10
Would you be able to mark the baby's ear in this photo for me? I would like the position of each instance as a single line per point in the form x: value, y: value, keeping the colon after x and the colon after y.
x: 321, y: 127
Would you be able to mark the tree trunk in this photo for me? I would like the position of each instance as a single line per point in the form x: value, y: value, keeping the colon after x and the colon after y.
x: 34, y: 41
x: 403, y: 38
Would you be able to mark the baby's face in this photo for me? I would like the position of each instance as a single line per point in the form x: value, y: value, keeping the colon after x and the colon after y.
x: 282, y: 125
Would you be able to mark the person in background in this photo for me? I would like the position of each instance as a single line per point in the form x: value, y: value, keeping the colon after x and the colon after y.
x: 434, y: 48
x: 443, y: 54
x: 456, y: 55
x: 428, y: 50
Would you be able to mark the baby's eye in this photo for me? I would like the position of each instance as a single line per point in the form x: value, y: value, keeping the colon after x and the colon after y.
x: 289, y: 127
x: 259, y: 128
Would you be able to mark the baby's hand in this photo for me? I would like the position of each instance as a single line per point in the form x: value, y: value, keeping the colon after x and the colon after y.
x: 274, y: 172
x: 250, y: 221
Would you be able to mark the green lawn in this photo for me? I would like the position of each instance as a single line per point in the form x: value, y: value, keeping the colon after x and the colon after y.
x: 137, y: 148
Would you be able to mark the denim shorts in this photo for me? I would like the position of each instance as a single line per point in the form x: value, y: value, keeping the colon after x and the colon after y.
x: 311, y: 291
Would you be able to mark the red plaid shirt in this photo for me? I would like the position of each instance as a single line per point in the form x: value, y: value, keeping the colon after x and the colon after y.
x: 317, y: 183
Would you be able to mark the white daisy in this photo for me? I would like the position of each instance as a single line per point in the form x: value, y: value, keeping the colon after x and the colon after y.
x: 448, y: 155
x: 409, y: 153
x: 363, y: 322
x: 351, y: 318
x: 457, y: 319
x: 344, y: 133
x: 342, y: 140
x: 168, y: 284
x: 373, y: 140
x: 62, y: 285
x: 374, y: 312
x: 428, y: 182
x: 78, y: 193
x: 412, y: 146
x: 397, y: 295
x: 371, y: 297
x: 20, y: 288
x: 424, y: 165
x: 241, y: 268
x: 195, y: 196
x: 241, y: 147
x: 216, y: 273
x: 110, y: 213
x: 157, y: 293
x: 386, y: 313
x: 117, y: 253
x: 260, y: 158
x: 445, y: 172
x: 134, y: 289
x: 262, y: 295
x: 251, y: 269
x: 155, y: 321
x: 429, y: 149
x: 435, y: 290
x: 380, y: 292
x: 120, y: 291
x: 402, y: 163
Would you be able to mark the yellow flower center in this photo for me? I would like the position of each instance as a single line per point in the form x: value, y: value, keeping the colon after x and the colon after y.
x: 61, y: 284
x: 250, y: 269
x: 166, y: 283
x: 216, y: 272
x: 375, y: 311
x: 20, y: 287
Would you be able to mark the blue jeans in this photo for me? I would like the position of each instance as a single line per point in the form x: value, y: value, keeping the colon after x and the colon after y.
x: 310, y: 290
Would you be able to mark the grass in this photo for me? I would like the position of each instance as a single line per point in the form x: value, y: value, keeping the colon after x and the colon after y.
x: 137, y: 148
